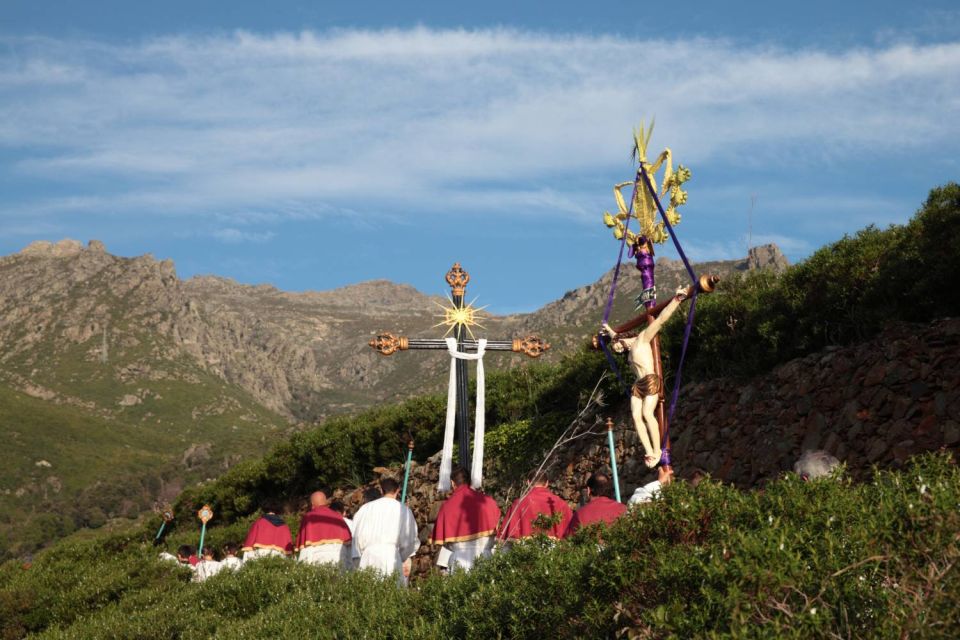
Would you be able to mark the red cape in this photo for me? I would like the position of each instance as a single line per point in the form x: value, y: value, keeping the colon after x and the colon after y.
x: 269, y: 532
x: 518, y: 523
x: 599, y: 509
x: 322, y: 525
x: 466, y: 515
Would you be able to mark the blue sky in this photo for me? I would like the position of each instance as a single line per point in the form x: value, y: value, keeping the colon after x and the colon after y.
x: 316, y: 144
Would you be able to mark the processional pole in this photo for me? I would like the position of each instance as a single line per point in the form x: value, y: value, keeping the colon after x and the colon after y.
x: 613, y: 459
x: 458, y: 318
x: 205, y: 515
x: 406, y: 473
x: 457, y: 278
x: 167, y: 515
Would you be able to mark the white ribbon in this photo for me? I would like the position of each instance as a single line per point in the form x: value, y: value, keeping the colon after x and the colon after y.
x: 446, y: 460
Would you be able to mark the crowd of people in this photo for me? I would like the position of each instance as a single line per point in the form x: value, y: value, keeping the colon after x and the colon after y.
x: 383, y: 533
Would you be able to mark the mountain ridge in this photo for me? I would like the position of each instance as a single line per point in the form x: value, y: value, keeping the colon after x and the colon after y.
x: 127, y: 381
x: 300, y: 354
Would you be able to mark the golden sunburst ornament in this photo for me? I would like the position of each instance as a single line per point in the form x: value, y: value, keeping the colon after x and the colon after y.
x: 465, y: 315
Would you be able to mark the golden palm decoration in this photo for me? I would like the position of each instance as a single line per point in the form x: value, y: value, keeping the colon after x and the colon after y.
x: 644, y: 207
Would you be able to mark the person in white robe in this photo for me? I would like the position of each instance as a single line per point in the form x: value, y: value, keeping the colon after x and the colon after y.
x: 386, y: 534
x: 207, y: 567
x: 230, y: 559
x: 465, y: 526
x: 651, y: 490
x: 324, y: 536
x: 350, y: 556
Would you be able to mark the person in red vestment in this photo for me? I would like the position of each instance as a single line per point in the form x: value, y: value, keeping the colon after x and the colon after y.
x: 323, y: 533
x: 540, y: 501
x: 466, y: 524
x: 268, y: 536
x: 601, y: 508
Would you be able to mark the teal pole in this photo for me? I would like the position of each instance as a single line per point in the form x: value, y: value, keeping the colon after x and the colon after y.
x: 406, y: 473
x: 203, y: 533
x: 613, y: 459
x: 163, y: 525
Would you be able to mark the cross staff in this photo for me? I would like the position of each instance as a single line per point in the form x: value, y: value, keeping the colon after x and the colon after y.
x: 460, y: 317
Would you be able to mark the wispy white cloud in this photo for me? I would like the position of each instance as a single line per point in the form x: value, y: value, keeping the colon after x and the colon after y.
x: 402, y: 122
x: 230, y: 235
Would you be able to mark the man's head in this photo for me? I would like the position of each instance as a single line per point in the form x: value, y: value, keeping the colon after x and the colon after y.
x: 230, y: 549
x: 338, y: 506
x: 184, y: 552
x: 370, y: 494
x: 599, y: 486
x: 269, y: 506
x: 537, y: 477
x: 207, y: 553
x: 815, y: 464
x: 697, y: 476
x: 459, y: 477
x: 321, y: 497
x: 389, y: 486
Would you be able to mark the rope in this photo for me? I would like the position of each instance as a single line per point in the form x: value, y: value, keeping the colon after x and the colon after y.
x: 623, y: 243
x: 675, y: 395
x: 604, y: 344
x: 673, y: 235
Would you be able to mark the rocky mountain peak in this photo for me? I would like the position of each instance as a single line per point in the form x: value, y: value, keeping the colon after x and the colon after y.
x: 62, y: 249
x: 767, y: 256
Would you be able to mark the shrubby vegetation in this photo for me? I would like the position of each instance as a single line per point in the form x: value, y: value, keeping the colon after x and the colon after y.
x: 844, y: 292
x: 798, y: 559
x: 540, y: 399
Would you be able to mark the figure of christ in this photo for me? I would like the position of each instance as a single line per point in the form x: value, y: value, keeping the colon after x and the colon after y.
x: 645, y: 393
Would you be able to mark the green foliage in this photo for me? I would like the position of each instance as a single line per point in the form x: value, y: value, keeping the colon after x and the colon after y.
x: 798, y: 559
x: 336, y: 450
x: 67, y: 465
x: 349, y: 447
x: 844, y: 292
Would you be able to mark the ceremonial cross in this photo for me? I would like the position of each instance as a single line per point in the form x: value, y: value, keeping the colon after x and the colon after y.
x: 460, y: 317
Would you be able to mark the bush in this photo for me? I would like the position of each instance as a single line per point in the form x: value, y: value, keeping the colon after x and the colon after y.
x: 844, y: 292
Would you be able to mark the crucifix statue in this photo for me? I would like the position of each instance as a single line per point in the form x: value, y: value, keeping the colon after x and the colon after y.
x: 459, y: 317
x: 647, y: 394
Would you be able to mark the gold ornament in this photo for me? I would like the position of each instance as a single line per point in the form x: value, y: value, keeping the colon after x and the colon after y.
x: 644, y: 206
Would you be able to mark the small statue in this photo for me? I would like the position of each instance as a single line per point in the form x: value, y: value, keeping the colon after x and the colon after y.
x: 646, y: 390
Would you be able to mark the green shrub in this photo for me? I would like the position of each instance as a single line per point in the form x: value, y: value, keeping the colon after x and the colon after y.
x: 844, y: 292
x: 796, y: 560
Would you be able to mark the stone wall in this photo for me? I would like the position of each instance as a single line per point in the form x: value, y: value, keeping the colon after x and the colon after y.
x: 876, y: 403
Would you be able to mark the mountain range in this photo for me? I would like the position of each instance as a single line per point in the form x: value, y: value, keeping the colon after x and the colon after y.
x: 120, y: 382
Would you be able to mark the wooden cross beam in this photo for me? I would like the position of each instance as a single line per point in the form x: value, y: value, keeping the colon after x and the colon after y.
x: 388, y: 344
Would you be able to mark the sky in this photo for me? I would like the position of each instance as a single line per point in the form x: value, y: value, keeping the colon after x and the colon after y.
x: 312, y: 145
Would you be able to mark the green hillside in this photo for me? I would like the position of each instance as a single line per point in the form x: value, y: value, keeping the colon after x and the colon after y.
x: 66, y: 466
